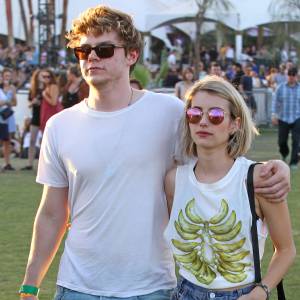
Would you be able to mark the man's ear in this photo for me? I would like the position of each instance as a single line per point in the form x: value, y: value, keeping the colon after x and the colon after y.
x: 132, y: 56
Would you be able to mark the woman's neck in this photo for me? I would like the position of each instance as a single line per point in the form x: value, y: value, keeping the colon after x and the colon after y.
x: 213, y: 166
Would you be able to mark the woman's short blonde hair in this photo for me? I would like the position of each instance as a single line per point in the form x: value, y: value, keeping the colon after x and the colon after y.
x: 238, y: 143
x: 103, y: 19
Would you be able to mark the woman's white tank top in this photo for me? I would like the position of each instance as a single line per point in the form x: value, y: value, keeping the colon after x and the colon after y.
x: 209, y: 228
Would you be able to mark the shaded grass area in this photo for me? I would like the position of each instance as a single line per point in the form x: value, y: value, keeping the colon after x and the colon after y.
x: 19, y: 200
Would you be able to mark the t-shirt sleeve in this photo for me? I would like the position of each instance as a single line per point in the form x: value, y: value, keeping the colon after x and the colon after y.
x: 51, y: 170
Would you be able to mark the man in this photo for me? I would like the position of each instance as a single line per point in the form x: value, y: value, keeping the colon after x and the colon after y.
x: 104, y: 161
x: 215, y: 69
x: 286, y: 114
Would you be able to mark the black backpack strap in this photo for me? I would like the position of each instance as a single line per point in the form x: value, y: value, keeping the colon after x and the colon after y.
x: 250, y: 190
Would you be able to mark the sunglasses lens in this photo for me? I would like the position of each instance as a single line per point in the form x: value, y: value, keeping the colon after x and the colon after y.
x: 82, y: 53
x: 105, y: 51
x: 194, y: 115
x: 216, y: 116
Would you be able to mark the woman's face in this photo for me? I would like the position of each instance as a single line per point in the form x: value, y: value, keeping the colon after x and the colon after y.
x: 189, y: 76
x: 205, y: 134
x: 7, y: 76
x: 45, y: 77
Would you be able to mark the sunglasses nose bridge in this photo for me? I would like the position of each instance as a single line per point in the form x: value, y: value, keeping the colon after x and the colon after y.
x: 92, y: 53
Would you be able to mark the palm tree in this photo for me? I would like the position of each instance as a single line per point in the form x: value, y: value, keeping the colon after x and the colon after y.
x: 23, y: 17
x: 9, y: 19
x: 31, y: 27
x: 285, y: 7
x: 285, y: 10
x: 63, y: 23
x: 203, y: 6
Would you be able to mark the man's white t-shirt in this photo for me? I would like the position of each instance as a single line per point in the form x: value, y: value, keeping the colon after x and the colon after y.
x: 114, y: 164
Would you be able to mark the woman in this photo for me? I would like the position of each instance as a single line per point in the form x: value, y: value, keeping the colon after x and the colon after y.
x: 181, y: 87
x: 76, y: 88
x: 50, y: 104
x: 35, y: 100
x: 8, y: 126
x: 210, y: 221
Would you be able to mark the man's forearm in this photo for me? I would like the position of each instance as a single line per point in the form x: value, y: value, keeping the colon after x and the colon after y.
x: 47, y: 235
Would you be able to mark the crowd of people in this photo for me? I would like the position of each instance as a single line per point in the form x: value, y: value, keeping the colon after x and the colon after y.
x: 48, y: 94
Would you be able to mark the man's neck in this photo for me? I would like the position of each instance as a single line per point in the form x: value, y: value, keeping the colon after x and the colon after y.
x: 110, y: 98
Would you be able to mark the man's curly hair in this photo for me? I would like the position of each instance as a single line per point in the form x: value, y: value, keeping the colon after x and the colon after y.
x: 103, y: 19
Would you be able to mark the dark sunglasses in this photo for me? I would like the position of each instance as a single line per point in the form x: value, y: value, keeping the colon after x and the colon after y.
x: 215, y: 115
x: 102, y: 51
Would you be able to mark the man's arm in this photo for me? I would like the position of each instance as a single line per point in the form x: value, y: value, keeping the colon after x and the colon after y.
x: 274, y: 181
x: 48, y: 231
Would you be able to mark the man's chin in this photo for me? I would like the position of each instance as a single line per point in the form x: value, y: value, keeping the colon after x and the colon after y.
x: 96, y: 81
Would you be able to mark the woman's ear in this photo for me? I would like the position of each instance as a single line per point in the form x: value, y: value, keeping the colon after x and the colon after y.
x: 235, y: 125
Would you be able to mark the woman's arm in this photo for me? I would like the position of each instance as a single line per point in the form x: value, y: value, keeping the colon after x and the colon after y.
x: 177, y: 90
x: 14, y: 97
x: 170, y: 187
x: 279, y: 225
x: 51, y: 94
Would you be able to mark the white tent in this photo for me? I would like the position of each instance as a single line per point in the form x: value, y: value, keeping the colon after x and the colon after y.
x: 149, y: 14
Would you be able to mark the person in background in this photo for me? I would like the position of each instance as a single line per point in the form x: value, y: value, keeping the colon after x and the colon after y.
x: 281, y: 76
x: 181, y: 87
x: 76, y: 88
x: 50, y: 94
x: 246, y: 89
x: 209, y: 230
x: 202, y: 71
x: 8, y: 126
x: 256, y: 80
x: 215, y: 69
x: 136, y: 84
x: 286, y: 114
x: 35, y: 97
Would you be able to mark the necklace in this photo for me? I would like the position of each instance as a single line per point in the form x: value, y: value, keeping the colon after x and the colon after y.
x: 131, y: 97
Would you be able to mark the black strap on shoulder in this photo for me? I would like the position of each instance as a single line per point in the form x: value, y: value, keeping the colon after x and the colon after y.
x: 250, y: 190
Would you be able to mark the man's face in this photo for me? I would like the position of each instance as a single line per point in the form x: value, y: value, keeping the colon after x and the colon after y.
x: 216, y: 70
x: 98, y: 71
x: 292, y: 79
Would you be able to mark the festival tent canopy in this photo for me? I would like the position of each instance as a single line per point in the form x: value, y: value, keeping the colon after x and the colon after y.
x: 149, y: 14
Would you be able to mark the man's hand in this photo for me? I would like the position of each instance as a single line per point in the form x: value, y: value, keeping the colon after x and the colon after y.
x: 274, y: 183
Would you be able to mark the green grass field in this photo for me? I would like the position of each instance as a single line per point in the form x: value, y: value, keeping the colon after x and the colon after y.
x: 19, y: 199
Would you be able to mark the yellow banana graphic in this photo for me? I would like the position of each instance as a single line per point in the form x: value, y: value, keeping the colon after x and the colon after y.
x: 185, y: 247
x: 205, y: 274
x: 186, y: 258
x: 211, y: 275
x: 230, y: 235
x: 226, y: 226
x: 185, y: 235
x: 190, y: 214
x: 233, y: 257
x: 187, y: 226
x: 234, y: 266
x: 221, y: 215
x: 229, y: 247
x: 196, y: 266
x: 234, y: 278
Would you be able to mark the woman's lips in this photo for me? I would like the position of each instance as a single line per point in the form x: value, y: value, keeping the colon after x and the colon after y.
x: 203, y: 133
